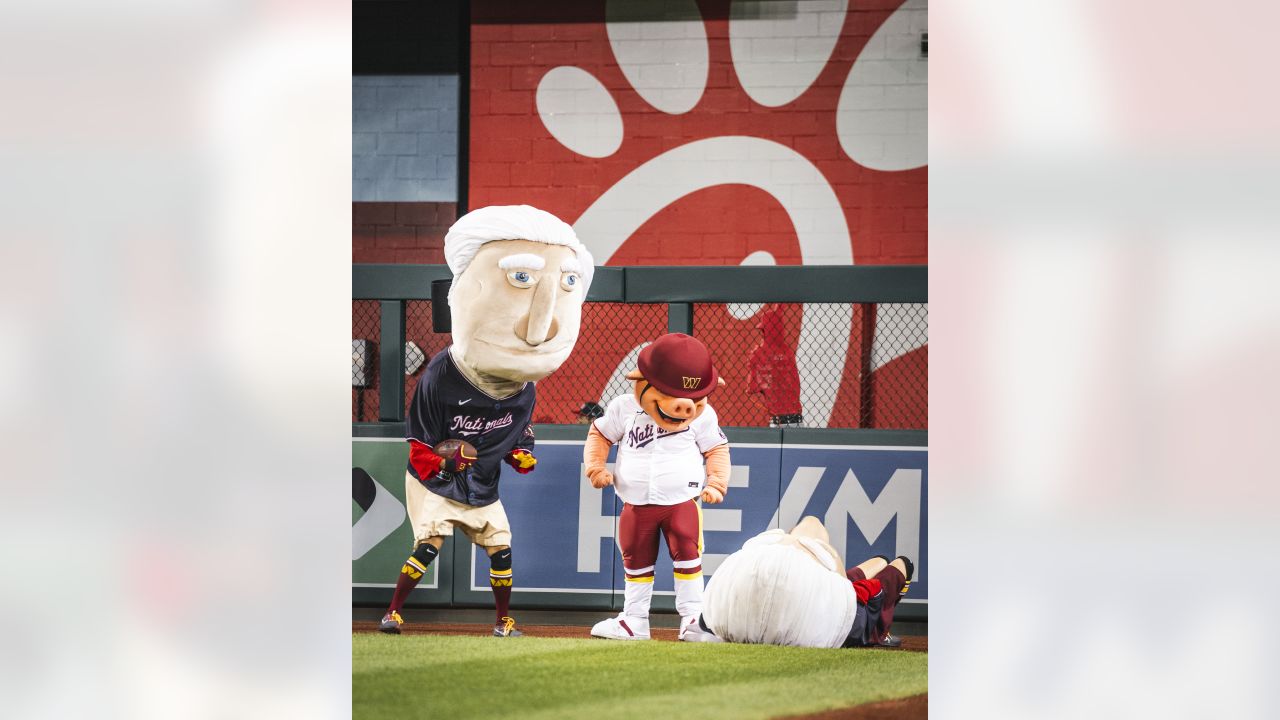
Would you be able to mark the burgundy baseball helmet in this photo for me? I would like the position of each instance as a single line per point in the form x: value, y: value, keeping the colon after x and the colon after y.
x: 679, y: 365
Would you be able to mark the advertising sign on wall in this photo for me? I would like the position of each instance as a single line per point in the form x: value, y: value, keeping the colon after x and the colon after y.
x: 873, y: 501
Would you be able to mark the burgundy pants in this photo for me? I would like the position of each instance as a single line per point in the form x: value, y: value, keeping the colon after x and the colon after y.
x: 891, y: 582
x: 639, y: 528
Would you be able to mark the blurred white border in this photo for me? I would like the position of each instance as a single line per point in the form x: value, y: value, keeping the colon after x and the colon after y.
x: 1103, y: 338
x: 176, y: 284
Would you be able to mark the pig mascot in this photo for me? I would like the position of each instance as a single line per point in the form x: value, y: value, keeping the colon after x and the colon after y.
x: 671, y: 454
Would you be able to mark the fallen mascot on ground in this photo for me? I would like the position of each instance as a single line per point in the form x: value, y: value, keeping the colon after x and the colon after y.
x: 791, y: 589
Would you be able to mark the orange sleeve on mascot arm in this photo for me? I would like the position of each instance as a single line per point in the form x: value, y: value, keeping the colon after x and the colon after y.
x: 718, y: 467
x: 596, y: 452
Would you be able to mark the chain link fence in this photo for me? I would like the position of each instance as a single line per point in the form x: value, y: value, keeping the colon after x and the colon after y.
x: 838, y: 365
x: 421, y: 344
x: 611, y: 337
x: 366, y: 322
x: 899, y: 381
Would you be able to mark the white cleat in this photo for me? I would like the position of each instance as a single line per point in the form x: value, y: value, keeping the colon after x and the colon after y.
x: 691, y: 631
x: 623, y: 627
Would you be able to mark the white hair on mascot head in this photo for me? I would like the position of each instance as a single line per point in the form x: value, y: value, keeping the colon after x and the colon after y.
x: 511, y: 222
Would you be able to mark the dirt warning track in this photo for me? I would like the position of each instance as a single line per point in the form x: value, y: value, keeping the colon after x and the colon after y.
x: 912, y: 643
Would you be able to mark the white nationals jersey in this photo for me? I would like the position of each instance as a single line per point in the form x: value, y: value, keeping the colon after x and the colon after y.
x: 656, y: 467
x: 773, y: 592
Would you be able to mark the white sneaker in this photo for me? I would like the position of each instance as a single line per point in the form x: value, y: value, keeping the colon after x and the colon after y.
x: 691, y: 631
x: 623, y: 627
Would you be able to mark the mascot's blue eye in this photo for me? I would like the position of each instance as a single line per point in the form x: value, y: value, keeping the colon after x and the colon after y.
x: 569, y: 281
x: 522, y: 279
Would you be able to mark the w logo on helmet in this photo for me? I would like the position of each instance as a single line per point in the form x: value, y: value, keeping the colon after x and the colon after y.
x: 691, y: 383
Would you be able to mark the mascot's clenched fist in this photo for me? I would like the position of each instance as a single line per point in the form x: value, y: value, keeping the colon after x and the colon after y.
x: 665, y: 431
x: 520, y: 277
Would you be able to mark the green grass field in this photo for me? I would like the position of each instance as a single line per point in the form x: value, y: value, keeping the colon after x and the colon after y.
x: 477, y: 677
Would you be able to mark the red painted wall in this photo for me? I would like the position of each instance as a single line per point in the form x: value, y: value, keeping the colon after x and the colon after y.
x: 400, y: 232
x: 515, y: 159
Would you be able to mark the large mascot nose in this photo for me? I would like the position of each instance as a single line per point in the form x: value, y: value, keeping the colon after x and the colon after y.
x: 681, y: 408
x: 540, y: 324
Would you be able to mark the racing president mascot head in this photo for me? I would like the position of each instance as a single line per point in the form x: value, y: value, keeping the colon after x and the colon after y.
x: 520, y: 276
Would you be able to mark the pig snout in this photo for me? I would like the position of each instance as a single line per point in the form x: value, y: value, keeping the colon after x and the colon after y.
x: 681, y: 408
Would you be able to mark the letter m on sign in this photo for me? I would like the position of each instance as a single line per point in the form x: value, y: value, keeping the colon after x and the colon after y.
x: 900, y: 498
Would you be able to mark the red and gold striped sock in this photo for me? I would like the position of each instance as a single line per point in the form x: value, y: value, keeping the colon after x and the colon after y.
x: 500, y: 578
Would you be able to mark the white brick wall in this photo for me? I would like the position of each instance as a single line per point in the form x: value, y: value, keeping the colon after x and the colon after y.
x: 404, y: 142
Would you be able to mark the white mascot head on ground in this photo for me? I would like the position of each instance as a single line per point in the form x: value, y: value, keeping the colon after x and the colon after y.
x: 520, y: 276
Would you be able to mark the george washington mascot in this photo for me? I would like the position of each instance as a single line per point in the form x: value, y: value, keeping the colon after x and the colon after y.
x: 520, y: 276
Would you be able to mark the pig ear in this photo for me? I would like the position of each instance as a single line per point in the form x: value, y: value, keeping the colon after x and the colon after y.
x: 720, y: 382
x: 635, y: 375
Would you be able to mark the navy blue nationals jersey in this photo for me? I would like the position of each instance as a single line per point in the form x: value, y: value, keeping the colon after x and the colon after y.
x: 446, y: 405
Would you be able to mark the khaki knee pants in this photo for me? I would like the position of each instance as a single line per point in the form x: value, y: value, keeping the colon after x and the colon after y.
x: 433, y: 515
